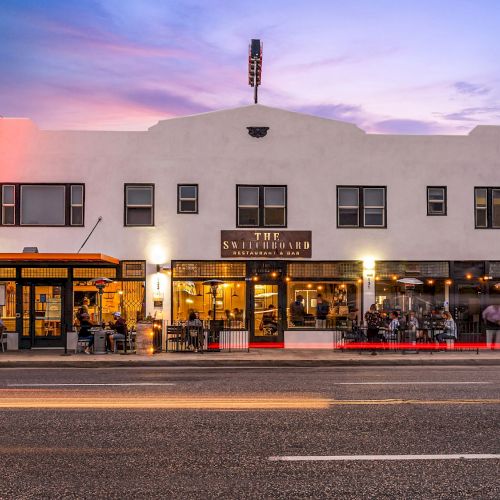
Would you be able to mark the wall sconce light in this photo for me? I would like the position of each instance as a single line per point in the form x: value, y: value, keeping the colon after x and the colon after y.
x: 368, y: 263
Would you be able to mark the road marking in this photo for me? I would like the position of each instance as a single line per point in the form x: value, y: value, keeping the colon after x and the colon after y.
x: 409, y: 383
x: 345, y: 402
x: 124, y: 384
x: 154, y: 402
x: 65, y: 400
x: 345, y: 458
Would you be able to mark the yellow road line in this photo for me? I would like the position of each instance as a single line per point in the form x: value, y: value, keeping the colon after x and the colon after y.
x: 212, y: 403
x: 171, y: 403
x: 341, y: 402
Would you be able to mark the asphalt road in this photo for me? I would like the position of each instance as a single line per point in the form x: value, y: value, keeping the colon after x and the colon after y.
x: 211, y: 433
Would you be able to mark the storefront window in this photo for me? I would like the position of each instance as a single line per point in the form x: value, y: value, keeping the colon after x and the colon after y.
x: 343, y: 308
x: 126, y: 297
x: 195, y: 296
x: 422, y: 298
x: 8, y: 305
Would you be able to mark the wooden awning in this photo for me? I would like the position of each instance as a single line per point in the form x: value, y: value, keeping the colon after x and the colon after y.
x: 81, y: 258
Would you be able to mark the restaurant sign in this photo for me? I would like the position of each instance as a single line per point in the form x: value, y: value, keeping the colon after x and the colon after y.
x: 270, y: 244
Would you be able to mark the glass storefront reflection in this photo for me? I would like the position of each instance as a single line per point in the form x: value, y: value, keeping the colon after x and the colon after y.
x: 423, y: 299
x: 329, y: 304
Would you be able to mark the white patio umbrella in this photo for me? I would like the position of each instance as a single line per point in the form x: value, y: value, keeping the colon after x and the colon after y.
x: 410, y: 281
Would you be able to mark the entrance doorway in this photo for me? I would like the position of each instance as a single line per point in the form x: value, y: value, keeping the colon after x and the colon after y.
x: 266, y: 312
x: 42, y: 314
x: 468, y: 302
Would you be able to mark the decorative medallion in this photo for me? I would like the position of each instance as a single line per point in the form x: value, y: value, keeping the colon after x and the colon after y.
x: 257, y: 132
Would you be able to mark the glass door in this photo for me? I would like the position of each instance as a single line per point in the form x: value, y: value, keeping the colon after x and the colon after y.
x: 468, y: 303
x: 266, y: 312
x: 43, y: 314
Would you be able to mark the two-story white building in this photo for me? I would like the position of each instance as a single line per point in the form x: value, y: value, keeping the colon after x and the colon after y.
x: 274, y: 204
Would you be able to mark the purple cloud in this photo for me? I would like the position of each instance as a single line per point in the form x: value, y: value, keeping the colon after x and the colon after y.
x: 472, y: 89
x: 164, y: 102
x: 473, y: 114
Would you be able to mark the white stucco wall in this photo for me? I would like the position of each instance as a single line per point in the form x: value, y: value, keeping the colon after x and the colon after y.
x: 310, y: 155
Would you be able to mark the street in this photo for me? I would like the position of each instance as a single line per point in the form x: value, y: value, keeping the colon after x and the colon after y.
x: 353, y: 432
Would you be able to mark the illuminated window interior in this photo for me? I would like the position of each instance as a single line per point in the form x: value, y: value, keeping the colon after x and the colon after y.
x: 195, y: 296
x: 344, y: 298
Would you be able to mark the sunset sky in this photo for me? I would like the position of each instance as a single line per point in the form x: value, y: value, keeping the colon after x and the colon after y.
x: 389, y: 66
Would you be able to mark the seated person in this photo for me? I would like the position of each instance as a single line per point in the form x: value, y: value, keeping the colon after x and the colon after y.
x: 194, y: 328
x: 120, y: 328
x: 394, y: 327
x: 449, y: 328
x: 269, y: 320
x: 84, y: 333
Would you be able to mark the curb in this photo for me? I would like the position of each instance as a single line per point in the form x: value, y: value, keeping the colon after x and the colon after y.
x: 238, y: 363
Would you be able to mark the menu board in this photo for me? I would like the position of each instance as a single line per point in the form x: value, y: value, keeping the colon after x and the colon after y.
x: 53, y: 309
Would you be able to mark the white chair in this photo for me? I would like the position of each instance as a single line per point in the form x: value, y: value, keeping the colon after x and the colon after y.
x: 81, y: 345
x: 3, y: 339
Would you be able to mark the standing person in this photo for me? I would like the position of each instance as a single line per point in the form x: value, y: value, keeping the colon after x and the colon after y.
x: 120, y: 328
x: 84, y: 333
x: 491, y: 316
x: 449, y: 328
x: 322, y: 310
x: 373, y: 321
x: 297, y: 312
x: 195, y: 332
x: 413, y: 326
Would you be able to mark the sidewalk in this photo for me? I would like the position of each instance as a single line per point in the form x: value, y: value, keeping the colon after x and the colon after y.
x: 254, y: 358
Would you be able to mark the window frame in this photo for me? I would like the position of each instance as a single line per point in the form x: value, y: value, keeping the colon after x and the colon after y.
x: 67, y: 203
x: 180, y: 199
x: 126, y: 206
x: 76, y: 205
x: 361, y: 207
x: 265, y: 206
x: 262, y: 206
x: 488, y: 209
x: 445, y: 201
x: 3, y: 205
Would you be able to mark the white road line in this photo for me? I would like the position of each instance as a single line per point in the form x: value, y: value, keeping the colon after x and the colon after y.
x: 409, y: 383
x: 344, y: 458
x: 124, y: 384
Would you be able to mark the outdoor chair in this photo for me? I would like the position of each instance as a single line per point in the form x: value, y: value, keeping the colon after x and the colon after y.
x: 81, y: 345
x: 130, y: 342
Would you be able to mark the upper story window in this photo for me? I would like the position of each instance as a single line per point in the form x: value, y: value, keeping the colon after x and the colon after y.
x: 139, y: 204
x: 361, y: 206
x: 187, y: 198
x: 261, y: 206
x: 436, y: 200
x: 487, y: 207
x: 42, y: 204
x: 8, y: 205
